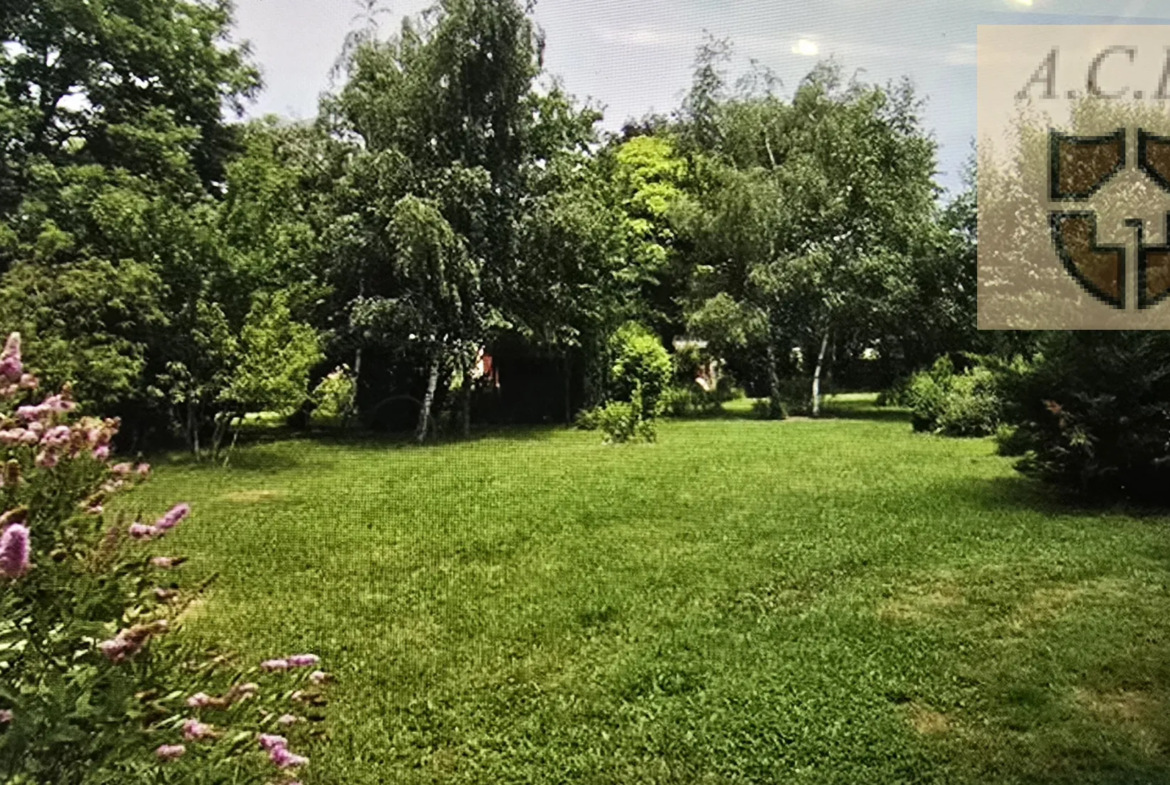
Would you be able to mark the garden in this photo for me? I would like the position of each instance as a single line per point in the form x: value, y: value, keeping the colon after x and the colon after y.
x: 448, y: 438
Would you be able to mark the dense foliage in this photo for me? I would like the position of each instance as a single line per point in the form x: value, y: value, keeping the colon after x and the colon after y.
x: 1092, y: 413
x: 955, y: 404
x: 95, y: 687
x: 450, y: 197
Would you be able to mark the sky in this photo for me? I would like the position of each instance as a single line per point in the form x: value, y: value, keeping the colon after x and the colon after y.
x: 635, y: 56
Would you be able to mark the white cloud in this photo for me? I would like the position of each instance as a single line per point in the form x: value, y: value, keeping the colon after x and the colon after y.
x: 806, y: 48
x: 648, y: 37
x: 961, y: 54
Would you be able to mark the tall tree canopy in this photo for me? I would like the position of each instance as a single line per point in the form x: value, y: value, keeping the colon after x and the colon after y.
x: 447, y: 115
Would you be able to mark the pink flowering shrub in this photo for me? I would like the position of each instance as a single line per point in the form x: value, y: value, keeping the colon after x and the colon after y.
x: 96, y: 686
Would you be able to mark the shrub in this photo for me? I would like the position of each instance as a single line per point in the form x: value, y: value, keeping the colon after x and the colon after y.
x: 589, y: 419
x: 959, y: 404
x: 926, y: 393
x: 686, y: 364
x: 642, y: 367
x: 762, y: 408
x: 96, y: 688
x: 334, y: 396
x: 1092, y: 413
x: 622, y: 421
x: 897, y: 394
x: 640, y: 381
x: 691, y: 400
x: 972, y: 406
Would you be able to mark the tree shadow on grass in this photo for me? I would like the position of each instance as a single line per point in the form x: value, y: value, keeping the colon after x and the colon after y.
x: 374, y: 440
x: 1020, y: 492
x: 863, y: 409
x: 868, y: 412
x: 243, y: 459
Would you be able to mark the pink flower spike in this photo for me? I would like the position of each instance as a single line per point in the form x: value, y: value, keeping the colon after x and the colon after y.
x: 5, y: 716
x: 56, y: 404
x: 285, y: 759
x: 303, y: 660
x: 318, y: 677
x: 143, y: 470
x: 11, y: 369
x: 142, y: 532
x: 10, y: 365
x: 271, y: 741
x: 193, y: 730
x: 14, y: 551
x: 173, y: 516
x: 121, y: 469
x: 274, y: 665
x: 170, y: 751
x: 59, y: 436
x: 46, y: 460
x: 29, y: 382
x: 101, y: 452
x: 199, y: 700
x: 115, y: 649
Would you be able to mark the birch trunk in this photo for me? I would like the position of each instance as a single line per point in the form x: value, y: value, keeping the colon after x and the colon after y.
x: 424, y: 414
x: 816, y: 385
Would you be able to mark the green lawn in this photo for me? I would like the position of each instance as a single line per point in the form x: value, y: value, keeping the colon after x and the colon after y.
x: 746, y: 601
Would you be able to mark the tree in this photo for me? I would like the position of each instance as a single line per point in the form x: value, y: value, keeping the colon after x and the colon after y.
x: 812, y: 213
x: 436, y: 308
x: 447, y: 131
x: 119, y: 84
x: 114, y: 171
x: 575, y: 242
x: 274, y: 356
x: 650, y: 174
x: 88, y: 323
x: 276, y: 208
x: 736, y: 302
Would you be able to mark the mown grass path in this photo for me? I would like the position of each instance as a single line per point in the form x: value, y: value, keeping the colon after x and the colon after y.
x: 746, y: 601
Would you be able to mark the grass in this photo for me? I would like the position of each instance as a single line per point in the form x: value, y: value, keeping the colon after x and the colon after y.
x: 745, y: 601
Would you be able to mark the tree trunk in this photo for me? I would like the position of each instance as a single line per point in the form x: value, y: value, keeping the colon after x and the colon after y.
x: 223, y: 426
x: 775, y: 404
x: 592, y: 368
x: 465, y: 396
x: 830, y: 383
x: 192, y: 429
x: 816, y: 385
x: 568, y: 388
x: 357, y: 376
x: 424, y: 413
x: 357, y: 366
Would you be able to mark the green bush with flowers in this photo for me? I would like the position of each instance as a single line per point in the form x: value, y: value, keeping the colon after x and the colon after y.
x: 96, y: 686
